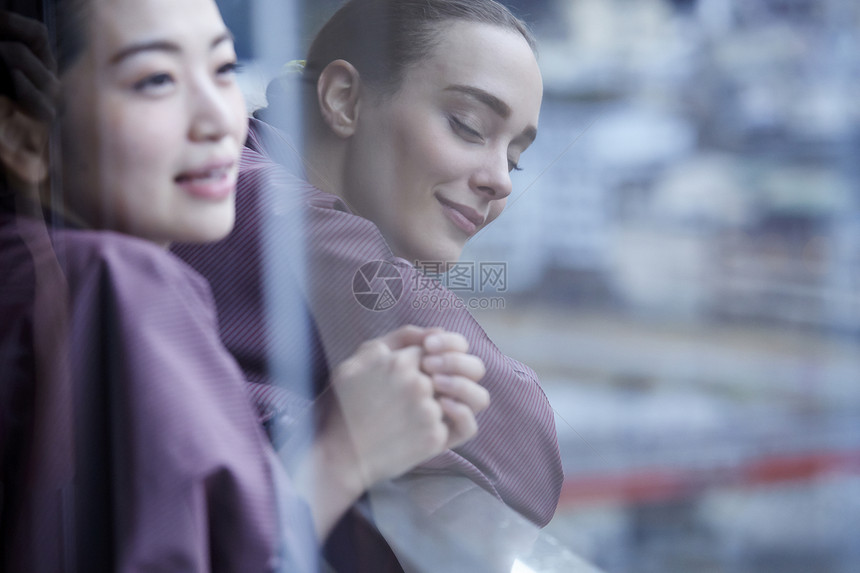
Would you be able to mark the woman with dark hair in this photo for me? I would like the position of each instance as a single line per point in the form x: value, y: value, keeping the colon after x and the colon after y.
x: 127, y: 438
x: 416, y: 112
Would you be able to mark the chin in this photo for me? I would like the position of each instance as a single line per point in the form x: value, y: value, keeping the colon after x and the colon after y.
x: 447, y: 255
x: 210, y: 234
x: 212, y: 226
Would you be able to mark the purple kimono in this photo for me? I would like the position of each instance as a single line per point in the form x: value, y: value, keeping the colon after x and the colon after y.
x: 129, y: 442
x: 515, y: 455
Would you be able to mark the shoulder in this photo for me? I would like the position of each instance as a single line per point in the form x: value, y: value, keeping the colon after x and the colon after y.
x: 85, y: 249
x: 105, y: 260
x: 270, y: 151
x: 257, y: 157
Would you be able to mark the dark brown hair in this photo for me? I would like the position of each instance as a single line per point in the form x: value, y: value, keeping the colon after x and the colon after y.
x: 383, y: 38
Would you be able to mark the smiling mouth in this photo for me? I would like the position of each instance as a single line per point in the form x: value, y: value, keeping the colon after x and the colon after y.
x: 213, y: 182
x: 464, y: 217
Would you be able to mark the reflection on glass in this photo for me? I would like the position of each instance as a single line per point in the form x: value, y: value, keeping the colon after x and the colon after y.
x: 674, y: 252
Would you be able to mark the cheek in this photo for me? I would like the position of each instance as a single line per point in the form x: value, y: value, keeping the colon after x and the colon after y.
x: 139, y: 141
x: 424, y: 147
x: 137, y: 149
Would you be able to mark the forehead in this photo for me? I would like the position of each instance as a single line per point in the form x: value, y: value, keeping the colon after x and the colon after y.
x: 115, y: 23
x: 491, y: 58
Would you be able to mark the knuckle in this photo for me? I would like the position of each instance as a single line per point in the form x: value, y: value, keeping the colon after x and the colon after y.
x: 423, y: 387
x: 405, y: 361
x: 444, y: 362
x: 372, y: 348
x: 459, y: 412
x: 467, y: 428
x: 481, y: 367
x: 483, y: 398
x: 473, y: 364
x: 410, y: 329
x: 370, y: 355
x: 458, y: 341
x: 460, y: 361
x: 429, y: 412
x: 416, y: 390
x: 471, y: 427
x: 437, y: 438
x: 346, y: 369
x: 457, y: 384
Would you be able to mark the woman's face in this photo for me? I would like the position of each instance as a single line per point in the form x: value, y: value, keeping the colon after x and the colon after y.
x: 431, y: 164
x: 153, y: 121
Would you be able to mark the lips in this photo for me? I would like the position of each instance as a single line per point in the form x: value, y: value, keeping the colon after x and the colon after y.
x: 215, y: 180
x: 464, y: 217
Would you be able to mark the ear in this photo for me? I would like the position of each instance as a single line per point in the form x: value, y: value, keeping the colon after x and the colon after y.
x: 338, y: 95
x: 23, y: 143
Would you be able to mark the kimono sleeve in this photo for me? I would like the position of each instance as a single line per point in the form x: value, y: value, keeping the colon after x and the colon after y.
x: 173, y: 471
x: 515, y: 455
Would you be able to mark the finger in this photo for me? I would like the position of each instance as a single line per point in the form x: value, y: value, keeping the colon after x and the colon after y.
x: 32, y: 100
x: 30, y: 32
x: 370, y: 350
x: 460, y: 420
x: 19, y: 57
x: 455, y: 364
x: 463, y: 390
x: 405, y: 336
x: 441, y: 341
x: 407, y: 361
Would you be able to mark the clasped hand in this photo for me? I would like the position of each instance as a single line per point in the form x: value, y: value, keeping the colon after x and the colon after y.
x: 406, y: 397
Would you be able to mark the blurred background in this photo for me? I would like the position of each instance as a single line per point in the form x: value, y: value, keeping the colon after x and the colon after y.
x: 682, y: 269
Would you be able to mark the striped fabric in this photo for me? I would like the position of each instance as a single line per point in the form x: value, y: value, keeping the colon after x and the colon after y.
x: 171, y: 471
x: 515, y: 455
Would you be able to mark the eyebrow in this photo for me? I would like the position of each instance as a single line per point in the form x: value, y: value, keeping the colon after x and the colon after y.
x: 161, y: 46
x: 502, y: 109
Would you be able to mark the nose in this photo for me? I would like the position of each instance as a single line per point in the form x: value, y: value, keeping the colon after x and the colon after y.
x: 493, y: 179
x: 210, y: 111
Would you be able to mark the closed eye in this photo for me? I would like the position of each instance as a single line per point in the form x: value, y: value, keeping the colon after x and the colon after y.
x: 229, y: 68
x: 468, y: 133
